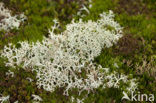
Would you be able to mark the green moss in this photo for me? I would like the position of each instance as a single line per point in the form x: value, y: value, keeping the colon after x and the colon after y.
x: 40, y: 15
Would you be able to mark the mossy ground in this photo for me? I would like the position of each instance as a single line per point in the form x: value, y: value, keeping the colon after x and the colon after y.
x: 138, y: 17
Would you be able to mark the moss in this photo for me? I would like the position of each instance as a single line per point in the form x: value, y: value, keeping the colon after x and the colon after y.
x: 40, y: 15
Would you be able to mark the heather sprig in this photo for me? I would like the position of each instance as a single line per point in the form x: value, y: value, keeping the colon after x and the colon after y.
x: 8, y: 21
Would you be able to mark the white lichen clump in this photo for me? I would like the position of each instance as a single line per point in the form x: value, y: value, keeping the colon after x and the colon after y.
x: 8, y: 21
x: 10, y: 73
x: 36, y: 98
x: 4, y: 99
x: 66, y: 60
x: 29, y: 79
x: 85, y: 8
x: 77, y: 100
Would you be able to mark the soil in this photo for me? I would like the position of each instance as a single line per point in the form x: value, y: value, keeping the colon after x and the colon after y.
x: 131, y: 7
x: 127, y: 45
